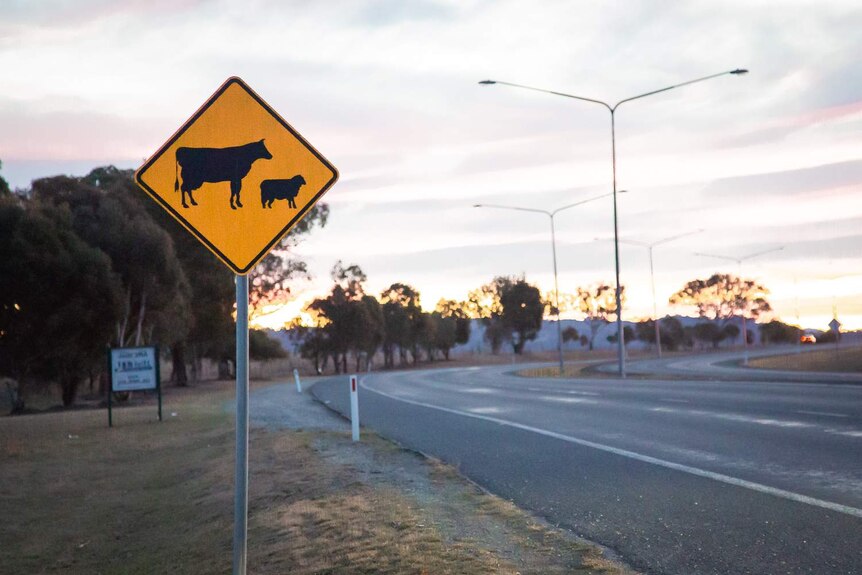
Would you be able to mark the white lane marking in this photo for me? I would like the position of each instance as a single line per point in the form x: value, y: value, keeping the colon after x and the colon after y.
x: 825, y: 413
x: 736, y: 417
x: 558, y: 399
x: 845, y: 432
x: 482, y: 390
x: 735, y: 481
x: 566, y: 391
x: 486, y: 409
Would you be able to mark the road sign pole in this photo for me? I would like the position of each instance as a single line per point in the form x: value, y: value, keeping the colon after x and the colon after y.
x: 110, y: 389
x: 240, y: 516
x: 158, y: 379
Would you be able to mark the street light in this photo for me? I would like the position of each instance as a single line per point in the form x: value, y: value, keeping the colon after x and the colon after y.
x: 550, y: 215
x: 612, y: 109
x: 739, y: 263
x: 649, y: 247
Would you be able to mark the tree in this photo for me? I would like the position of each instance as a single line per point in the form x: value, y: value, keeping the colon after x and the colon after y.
x: 723, y: 296
x: 111, y: 213
x: 628, y: 336
x: 709, y: 333
x: 312, y: 340
x: 370, y: 329
x: 350, y: 321
x: 58, y: 298
x: 446, y: 332
x: 427, y: 335
x: 484, y: 304
x: 510, y: 309
x: 263, y: 346
x: 778, y: 332
x: 598, y: 304
x: 570, y: 334
x: 730, y: 331
x: 460, y: 312
x: 645, y: 331
x: 4, y: 185
x: 673, y: 335
x: 523, y: 310
x: 108, y: 214
x: 402, y: 312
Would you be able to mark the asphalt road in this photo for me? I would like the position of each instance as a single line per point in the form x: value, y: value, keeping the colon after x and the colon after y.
x: 725, y: 366
x: 678, y: 477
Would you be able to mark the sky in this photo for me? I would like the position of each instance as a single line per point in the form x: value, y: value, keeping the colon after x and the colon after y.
x: 388, y: 91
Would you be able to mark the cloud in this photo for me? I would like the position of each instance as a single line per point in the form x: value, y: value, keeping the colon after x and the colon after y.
x: 790, y: 182
x: 387, y: 91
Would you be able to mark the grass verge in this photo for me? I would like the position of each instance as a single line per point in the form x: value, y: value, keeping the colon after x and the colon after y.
x: 145, y: 497
x: 828, y: 359
x: 554, y: 371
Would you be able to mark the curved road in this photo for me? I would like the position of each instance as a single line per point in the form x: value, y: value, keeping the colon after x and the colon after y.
x: 725, y: 366
x: 678, y: 477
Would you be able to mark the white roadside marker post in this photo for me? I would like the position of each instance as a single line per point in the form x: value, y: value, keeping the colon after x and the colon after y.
x: 296, y: 378
x: 354, y: 408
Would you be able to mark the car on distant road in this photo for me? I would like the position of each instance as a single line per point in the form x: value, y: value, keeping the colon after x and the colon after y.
x: 808, y: 338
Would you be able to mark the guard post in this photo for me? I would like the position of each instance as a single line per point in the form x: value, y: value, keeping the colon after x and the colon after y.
x: 354, y: 408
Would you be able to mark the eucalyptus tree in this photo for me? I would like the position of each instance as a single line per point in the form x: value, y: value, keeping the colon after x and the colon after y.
x: 59, y: 298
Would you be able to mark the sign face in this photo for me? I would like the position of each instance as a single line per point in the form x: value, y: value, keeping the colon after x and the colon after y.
x: 133, y: 368
x: 237, y: 176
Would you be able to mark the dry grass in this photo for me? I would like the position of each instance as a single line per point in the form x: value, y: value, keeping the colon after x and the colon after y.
x: 554, y: 371
x: 146, y: 497
x: 829, y: 359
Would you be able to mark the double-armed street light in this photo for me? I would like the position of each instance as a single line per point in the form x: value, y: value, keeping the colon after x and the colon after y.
x: 649, y: 247
x: 551, y: 215
x: 612, y: 109
x: 739, y: 264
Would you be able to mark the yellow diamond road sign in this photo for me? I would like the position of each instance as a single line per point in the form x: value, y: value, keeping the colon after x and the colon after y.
x: 237, y: 176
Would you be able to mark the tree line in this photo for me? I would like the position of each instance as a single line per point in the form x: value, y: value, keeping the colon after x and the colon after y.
x: 349, y: 327
x: 90, y: 262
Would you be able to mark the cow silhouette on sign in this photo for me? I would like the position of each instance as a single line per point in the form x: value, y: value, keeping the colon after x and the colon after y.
x: 271, y: 190
x: 197, y: 166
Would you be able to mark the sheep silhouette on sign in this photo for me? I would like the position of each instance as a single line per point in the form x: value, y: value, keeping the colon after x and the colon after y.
x: 271, y: 190
x: 197, y: 166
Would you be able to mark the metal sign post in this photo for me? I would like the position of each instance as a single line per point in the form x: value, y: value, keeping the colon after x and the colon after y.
x: 240, y: 509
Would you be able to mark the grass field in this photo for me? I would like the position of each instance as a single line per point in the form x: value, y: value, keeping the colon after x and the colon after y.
x: 829, y: 359
x: 150, y: 497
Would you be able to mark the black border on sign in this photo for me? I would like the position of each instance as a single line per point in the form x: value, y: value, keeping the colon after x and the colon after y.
x: 152, y: 193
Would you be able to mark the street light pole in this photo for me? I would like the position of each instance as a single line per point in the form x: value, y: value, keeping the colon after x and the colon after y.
x: 612, y: 109
x: 649, y: 248
x: 550, y: 215
x: 557, y: 298
x: 739, y: 264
